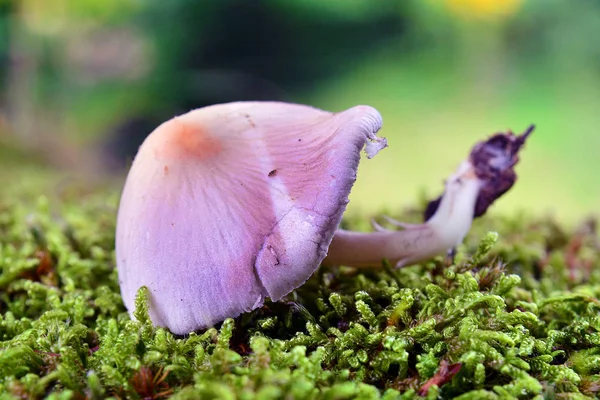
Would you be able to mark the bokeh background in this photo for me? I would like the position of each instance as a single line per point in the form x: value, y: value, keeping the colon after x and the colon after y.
x: 83, y: 81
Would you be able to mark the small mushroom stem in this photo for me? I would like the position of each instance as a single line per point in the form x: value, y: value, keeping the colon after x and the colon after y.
x: 445, y: 230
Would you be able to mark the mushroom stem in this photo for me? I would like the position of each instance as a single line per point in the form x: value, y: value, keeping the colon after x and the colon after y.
x: 442, y: 232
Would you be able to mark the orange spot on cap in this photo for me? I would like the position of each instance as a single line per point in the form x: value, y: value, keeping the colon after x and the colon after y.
x: 179, y: 139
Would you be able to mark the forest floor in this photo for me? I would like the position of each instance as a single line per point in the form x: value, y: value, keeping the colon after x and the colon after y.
x: 517, y: 315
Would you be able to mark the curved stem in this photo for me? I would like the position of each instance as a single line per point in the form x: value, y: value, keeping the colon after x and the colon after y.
x: 365, y: 249
x: 443, y: 231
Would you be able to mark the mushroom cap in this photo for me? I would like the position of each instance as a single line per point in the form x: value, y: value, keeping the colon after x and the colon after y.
x: 229, y: 204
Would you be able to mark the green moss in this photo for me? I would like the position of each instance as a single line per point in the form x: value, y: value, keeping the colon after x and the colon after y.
x: 518, y: 310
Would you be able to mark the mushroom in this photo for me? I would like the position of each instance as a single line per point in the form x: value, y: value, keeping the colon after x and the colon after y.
x: 230, y: 204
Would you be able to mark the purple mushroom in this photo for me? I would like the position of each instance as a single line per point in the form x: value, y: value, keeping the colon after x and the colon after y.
x: 233, y: 203
x: 230, y: 204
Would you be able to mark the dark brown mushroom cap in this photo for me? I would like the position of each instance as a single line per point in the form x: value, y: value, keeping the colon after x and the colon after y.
x: 493, y: 161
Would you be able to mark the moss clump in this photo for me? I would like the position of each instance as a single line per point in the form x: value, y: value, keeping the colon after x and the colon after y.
x: 516, y: 316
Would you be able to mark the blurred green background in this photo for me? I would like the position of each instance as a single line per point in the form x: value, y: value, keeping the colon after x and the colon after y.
x: 83, y: 81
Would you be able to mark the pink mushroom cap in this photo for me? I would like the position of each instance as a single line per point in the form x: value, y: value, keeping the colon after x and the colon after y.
x: 229, y: 204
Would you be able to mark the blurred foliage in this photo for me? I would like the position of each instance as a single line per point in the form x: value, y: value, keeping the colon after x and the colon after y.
x: 484, y: 8
x: 444, y: 73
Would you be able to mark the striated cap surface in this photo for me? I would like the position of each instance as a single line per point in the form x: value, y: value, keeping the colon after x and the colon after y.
x: 229, y: 204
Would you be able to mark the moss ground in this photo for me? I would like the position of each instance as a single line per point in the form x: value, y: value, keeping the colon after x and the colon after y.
x: 516, y: 316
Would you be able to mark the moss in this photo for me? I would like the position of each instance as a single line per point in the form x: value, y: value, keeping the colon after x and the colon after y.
x: 515, y: 316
